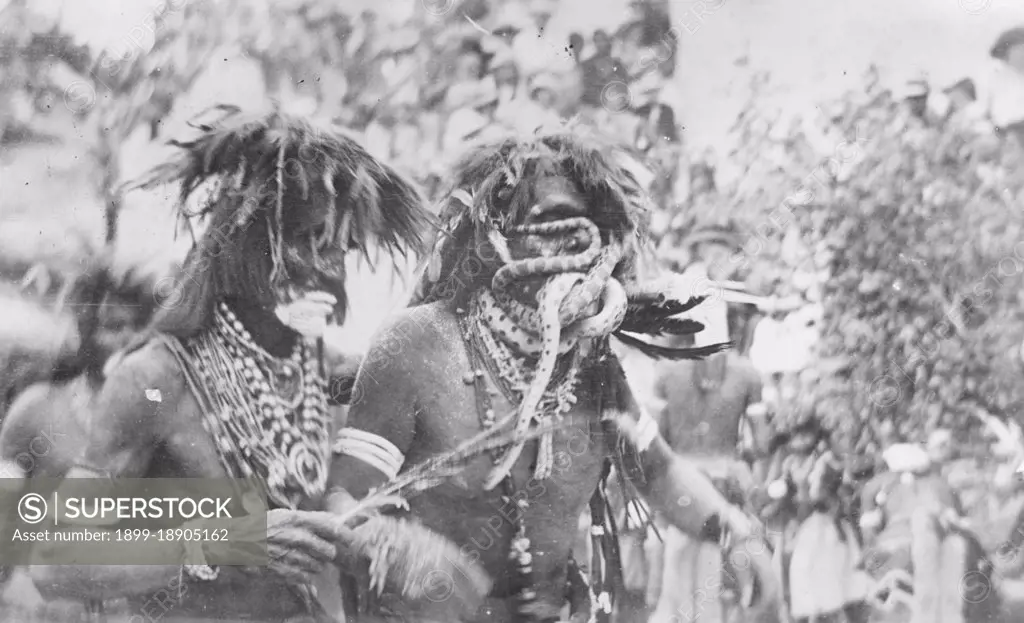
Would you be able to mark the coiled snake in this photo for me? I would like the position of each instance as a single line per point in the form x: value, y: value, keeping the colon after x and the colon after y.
x: 563, y: 315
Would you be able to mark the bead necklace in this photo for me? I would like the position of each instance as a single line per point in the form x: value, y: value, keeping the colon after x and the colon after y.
x: 512, y: 375
x: 519, y: 551
x: 270, y: 419
x: 489, y: 356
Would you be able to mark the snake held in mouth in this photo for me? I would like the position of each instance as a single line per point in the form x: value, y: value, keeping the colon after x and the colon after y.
x: 564, y: 314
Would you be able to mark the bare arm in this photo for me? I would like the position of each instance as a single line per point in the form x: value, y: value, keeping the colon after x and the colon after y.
x: 381, y: 420
x: 122, y: 434
x: 673, y: 485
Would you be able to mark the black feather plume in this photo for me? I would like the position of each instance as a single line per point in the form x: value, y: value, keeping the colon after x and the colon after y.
x: 655, y: 324
x: 286, y: 201
x: 672, y: 354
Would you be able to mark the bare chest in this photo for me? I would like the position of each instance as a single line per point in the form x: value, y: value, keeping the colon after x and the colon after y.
x: 483, y: 522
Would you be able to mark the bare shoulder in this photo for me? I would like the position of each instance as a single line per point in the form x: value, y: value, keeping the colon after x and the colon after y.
x: 146, y: 381
x: 151, y: 366
x: 415, y: 330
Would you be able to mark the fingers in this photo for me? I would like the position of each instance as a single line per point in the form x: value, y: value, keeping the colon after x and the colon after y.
x: 294, y: 566
x: 321, y: 524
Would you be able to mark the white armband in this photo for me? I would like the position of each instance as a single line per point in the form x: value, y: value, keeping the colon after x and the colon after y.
x: 371, y: 449
x: 647, y: 430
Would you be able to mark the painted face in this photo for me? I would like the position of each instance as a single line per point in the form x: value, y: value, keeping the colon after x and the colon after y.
x: 558, y: 199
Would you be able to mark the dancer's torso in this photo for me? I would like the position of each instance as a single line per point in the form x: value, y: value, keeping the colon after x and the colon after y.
x: 482, y: 523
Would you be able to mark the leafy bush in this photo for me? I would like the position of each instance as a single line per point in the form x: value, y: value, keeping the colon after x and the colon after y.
x: 913, y: 235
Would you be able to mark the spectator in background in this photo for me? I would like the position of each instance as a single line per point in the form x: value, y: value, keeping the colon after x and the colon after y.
x: 469, y: 80
x: 962, y: 108
x: 470, y: 119
x: 962, y: 95
x: 1005, y: 104
x: 657, y: 136
x: 505, y: 73
x: 707, y: 404
x: 915, y: 97
x: 601, y: 69
x: 576, y: 47
x: 541, y: 110
x: 469, y: 65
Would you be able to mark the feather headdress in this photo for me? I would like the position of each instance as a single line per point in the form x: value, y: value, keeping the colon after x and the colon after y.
x: 286, y: 200
x: 492, y: 189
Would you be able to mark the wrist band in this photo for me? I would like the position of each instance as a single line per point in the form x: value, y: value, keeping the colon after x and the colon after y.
x: 647, y: 430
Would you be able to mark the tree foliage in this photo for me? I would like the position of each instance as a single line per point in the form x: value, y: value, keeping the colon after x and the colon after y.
x: 912, y: 232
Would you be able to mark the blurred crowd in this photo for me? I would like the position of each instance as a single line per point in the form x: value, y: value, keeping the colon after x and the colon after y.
x: 999, y: 108
x: 510, y: 71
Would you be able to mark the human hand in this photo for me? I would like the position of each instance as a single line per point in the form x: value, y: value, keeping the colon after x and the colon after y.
x: 300, y: 543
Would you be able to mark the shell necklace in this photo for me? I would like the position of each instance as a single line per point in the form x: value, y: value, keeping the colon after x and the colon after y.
x: 269, y: 418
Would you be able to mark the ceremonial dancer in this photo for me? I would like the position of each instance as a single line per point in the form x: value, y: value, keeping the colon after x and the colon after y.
x: 229, y: 381
x: 532, y: 274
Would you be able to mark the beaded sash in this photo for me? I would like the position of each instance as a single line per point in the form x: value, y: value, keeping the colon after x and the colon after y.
x: 267, y: 416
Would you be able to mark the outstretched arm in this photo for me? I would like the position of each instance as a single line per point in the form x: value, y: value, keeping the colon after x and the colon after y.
x: 673, y: 485
x: 684, y: 494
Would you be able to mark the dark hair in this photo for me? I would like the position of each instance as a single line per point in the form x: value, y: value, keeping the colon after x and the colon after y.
x: 286, y: 200
x: 492, y: 190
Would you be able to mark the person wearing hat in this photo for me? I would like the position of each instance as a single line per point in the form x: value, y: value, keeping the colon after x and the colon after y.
x: 474, y: 115
x: 914, y: 95
x: 504, y: 72
x: 576, y: 46
x: 1005, y: 103
x: 657, y: 134
x: 962, y: 108
x: 540, y: 110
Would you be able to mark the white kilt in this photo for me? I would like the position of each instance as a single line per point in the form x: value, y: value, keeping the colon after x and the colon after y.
x: 823, y: 577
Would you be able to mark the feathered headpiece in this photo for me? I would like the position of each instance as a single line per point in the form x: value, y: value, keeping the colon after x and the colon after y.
x: 286, y: 201
x: 493, y: 189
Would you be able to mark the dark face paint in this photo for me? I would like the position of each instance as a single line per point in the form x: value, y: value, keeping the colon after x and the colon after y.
x: 555, y: 199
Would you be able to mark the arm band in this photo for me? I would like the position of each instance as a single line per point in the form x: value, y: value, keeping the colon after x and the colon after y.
x: 371, y: 449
